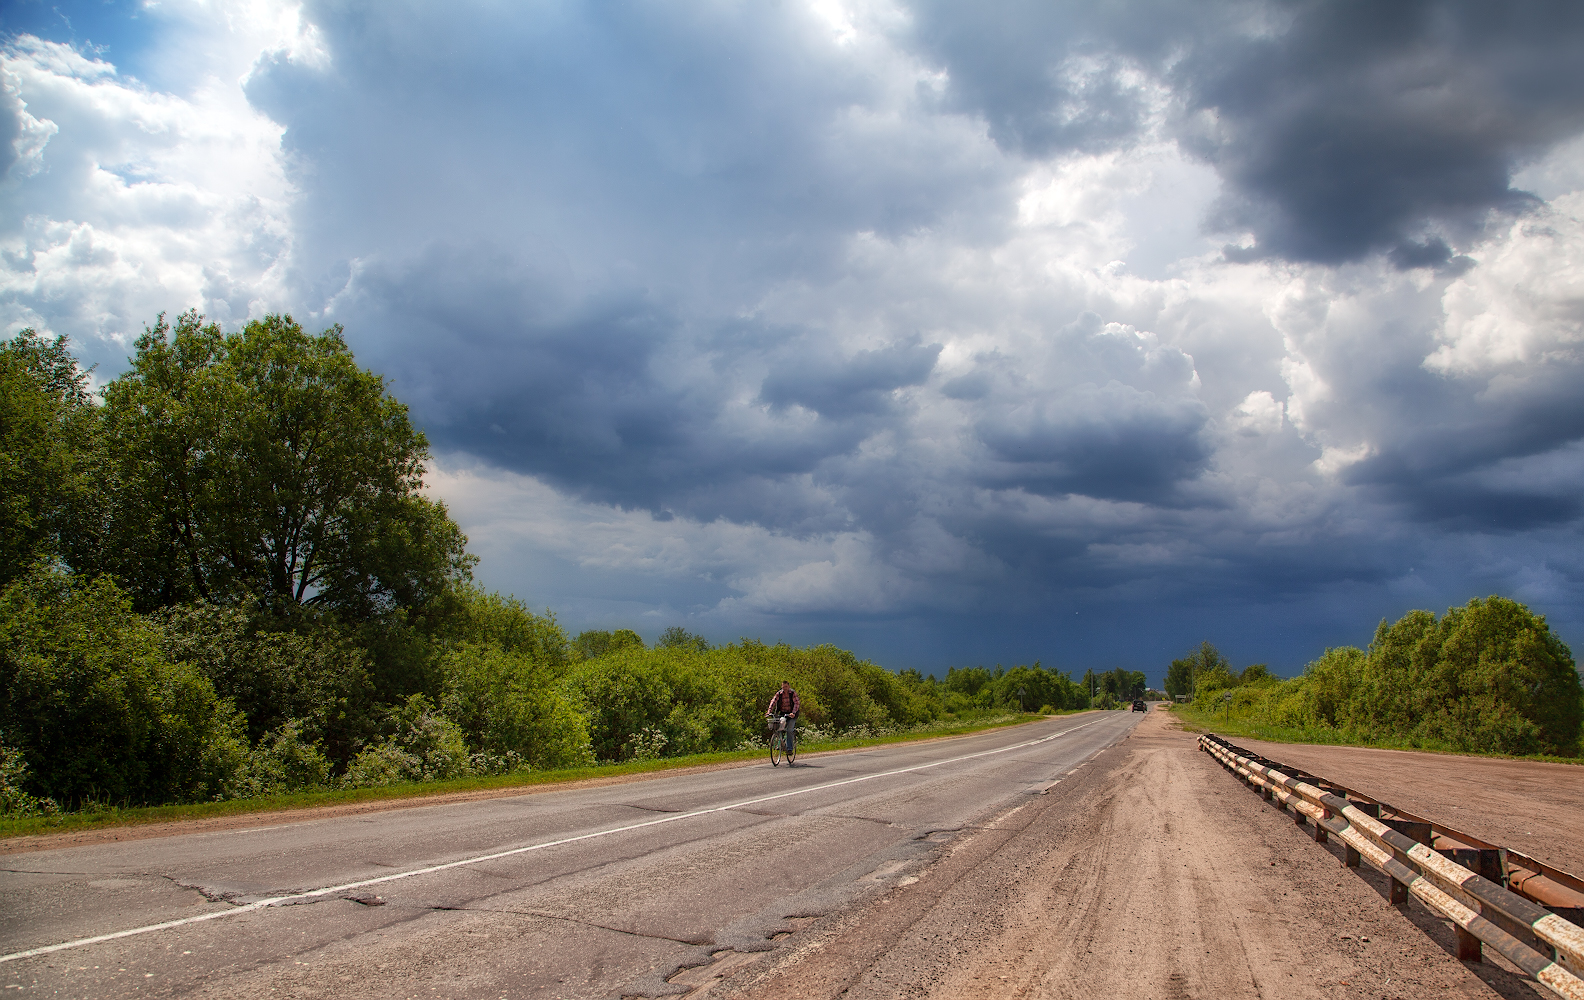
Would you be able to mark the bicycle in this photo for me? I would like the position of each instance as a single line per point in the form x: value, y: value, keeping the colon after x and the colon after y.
x: 783, y: 744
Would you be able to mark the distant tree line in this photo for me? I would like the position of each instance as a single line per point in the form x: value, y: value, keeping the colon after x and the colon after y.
x: 1488, y: 677
x: 220, y: 577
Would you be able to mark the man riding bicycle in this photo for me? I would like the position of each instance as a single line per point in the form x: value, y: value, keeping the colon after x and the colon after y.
x: 785, y: 704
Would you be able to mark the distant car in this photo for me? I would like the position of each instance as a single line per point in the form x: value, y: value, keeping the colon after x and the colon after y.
x: 1138, y: 706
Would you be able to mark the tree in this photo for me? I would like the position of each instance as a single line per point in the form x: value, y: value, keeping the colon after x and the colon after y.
x: 267, y: 464
x: 1256, y: 673
x: 1182, y: 677
x: 677, y: 637
x: 47, y: 486
x: 1491, y: 675
x: 593, y: 643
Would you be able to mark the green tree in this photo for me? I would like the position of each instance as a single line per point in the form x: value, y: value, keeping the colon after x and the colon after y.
x: 48, y: 489
x: 505, y: 704
x: 267, y: 464
x: 677, y: 637
x: 1183, y: 676
x: 1256, y: 673
x: 1491, y: 675
x: 591, y: 644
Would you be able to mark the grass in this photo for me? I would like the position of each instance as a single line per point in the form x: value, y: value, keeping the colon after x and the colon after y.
x: 1197, y: 721
x: 114, y: 816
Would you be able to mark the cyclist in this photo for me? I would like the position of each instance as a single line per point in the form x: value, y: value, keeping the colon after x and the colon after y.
x: 785, y: 703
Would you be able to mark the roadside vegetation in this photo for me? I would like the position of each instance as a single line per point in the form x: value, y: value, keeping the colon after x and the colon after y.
x: 222, y: 582
x: 1488, y: 677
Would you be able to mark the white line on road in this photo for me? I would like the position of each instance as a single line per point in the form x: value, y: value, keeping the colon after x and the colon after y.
x: 674, y: 817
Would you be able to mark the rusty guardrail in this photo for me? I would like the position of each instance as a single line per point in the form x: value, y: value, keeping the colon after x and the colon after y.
x: 1483, y: 910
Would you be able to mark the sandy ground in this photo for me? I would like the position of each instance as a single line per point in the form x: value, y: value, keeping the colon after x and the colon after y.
x: 1529, y: 806
x: 1150, y: 872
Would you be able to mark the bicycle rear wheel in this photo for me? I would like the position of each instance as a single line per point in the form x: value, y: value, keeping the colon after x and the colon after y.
x: 777, y: 749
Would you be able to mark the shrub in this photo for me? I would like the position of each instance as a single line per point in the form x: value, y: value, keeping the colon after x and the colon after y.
x: 1490, y: 675
x: 278, y: 671
x: 14, y: 798
x: 506, y: 706
x: 421, y: 745
x: 684, y: 696
x: 1486, y: 677
x: 593, y: 644
x: 283, y: 761
x: 96, y: 709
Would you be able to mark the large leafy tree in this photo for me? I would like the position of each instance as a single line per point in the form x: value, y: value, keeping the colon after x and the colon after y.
x: 47, y: 422
x: 266, y: 464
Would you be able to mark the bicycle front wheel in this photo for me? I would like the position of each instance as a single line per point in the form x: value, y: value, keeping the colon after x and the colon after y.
x: 777, y: 749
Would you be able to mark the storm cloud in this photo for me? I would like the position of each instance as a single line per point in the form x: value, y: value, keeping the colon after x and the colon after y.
x: 1002, y: 332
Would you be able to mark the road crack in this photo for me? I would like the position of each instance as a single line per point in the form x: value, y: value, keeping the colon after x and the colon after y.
x: 546, y: 915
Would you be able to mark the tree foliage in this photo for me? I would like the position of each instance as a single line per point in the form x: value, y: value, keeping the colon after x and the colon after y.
x: 1022, y: 687
x: 1204, y: 663
x: 48, y: 487
x: 96, y: 709
x: 594, y: 643
x: 1488, y: 676
x: 677, y: 637
x: 267, y: 465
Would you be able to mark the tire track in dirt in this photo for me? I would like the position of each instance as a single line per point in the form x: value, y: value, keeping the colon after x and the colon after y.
x: 1149, y: 873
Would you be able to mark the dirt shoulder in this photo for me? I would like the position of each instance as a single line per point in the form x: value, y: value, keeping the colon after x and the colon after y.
x: 1531, y: 806
x: 1149, y: 872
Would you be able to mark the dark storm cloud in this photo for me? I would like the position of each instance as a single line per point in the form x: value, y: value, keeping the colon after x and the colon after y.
x: 585, y: 395
x: 1110, y: 442
x: 1359, y: 124
x: 1486, y: 462
x: 1340, y: 129
x: 640, y: 174
x: 844, y: 387
x: 1053, y: 78
x: 651, y: 142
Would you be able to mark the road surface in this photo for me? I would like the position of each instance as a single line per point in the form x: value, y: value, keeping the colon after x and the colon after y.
x: 642, y: 889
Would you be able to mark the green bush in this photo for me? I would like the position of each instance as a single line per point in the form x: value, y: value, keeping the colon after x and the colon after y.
x: 505, y: 705
x: 420, y: 745
x: 96, y: 709
x: 15, y: 800
x: 278, y: 671
x: 1486, y: 677
x: 682, y: 695
x: 594, y: 643
x: 283, y: 761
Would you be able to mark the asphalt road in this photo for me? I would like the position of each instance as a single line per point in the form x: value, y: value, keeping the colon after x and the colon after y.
x: 639, y: 889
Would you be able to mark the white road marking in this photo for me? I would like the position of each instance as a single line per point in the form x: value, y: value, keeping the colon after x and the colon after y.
x: 672, y: 818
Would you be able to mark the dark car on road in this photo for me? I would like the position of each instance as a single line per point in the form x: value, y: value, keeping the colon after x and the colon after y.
x: 1138, y: 706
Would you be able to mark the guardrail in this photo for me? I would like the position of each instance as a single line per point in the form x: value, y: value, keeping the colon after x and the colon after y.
x: 1483, y: 912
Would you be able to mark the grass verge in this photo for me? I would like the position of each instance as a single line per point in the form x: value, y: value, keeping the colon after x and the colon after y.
x: 21, y: 826
x: 1197, y: 721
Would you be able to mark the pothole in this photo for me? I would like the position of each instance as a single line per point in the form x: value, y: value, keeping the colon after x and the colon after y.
x: 704, y: 978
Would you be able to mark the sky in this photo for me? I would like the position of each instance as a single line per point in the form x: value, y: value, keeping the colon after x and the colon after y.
x: 947, y: 333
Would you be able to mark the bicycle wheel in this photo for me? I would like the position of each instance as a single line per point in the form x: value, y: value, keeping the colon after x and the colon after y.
x: 777, y: 749
x: 791, y: 749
